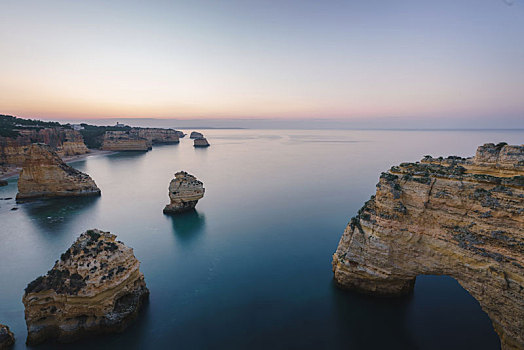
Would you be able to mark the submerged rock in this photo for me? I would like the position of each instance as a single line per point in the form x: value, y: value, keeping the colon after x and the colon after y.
x: 200, y: 142
x: 44, y: 174
x: 458, y: 217
x: 7, y: 337
x: 184, y: 192
x: 95, y: 287
x: 3, y: 183
x: 196, y: 135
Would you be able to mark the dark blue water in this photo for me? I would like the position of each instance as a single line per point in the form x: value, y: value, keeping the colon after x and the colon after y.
x: 251, y: 268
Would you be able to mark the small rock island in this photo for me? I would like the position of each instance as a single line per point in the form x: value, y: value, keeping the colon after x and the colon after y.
x: 196, y: 135
x: 460, y: 217
x: 95, y: 287
x: 44, y: 174
x: 200, y: 142
x: 7, y: 338
x: 184, y: 192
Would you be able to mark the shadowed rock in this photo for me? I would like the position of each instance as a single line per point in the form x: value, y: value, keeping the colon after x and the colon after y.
x: 196, y: 135
x: 7, y: 338
x: 200, y: 142
x: 445, y: 216
x: 95, y: 287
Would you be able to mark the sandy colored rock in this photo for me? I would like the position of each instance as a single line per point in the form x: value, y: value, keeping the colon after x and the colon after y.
x: 124, y: 141
x: 95, y: 287
x: 44, y: 174
x: 200, y: 142
x: 184, y: 192
x: 458, y: 217
x: 7, y: 338
x: 157, y: 135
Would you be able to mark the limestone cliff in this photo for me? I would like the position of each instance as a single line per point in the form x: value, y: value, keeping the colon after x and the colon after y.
x: 157, y: 135
x: 458, y: 217
x: 66, y: 142
x: 184, y: 192
x: 44, y: 174
x: 7, y: 338
x: 200, y: 142
x: 124, y: 141
x: 95, y: 287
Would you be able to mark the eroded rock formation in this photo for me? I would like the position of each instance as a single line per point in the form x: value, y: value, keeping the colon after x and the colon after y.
x: 458, y: 217
x: 124, y: 141
x: 184, y: 192
x: 95, y: 287
x: 66, y: 142
x: 200, y: 142
x: 44, y: 174
x: 196, y: 135
x: 157, y: 135
x: 7, y: 337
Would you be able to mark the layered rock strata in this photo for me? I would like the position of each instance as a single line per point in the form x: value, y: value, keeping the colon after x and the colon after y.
x: 7, y: 338
x: 44, y: 174
x: 157, y: 135
x: 95, y: 287
x: 125, y: 141
x: 196, y: 135
x: 66, y: 142
x: 200, y: 142
x: 184, y: 192
x: 458, y: 217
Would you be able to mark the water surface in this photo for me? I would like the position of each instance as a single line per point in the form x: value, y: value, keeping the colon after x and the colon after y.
x: 251, y: 267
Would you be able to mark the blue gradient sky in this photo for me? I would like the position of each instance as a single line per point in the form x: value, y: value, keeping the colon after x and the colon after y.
x: 460, y: 59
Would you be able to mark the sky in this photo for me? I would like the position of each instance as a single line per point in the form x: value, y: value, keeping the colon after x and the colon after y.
x: 435, y: 62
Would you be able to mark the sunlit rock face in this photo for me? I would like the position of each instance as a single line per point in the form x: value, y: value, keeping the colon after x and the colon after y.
x: 200, y: 142
x: 95, y: 287
x: 44, y: 174
x: 184, y: 192
x: 7, y: 338
x: 125, y: 141
x: 458, y: 217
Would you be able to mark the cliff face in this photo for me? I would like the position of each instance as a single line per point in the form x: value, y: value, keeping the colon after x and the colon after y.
x: 95, y: 287
x: 44, y: 174
x: 7, y: 337
x: 124, y: 141
x: 157, y: 135
x: 184, y: 192
x: 65, y: 142
x: 458, y: 217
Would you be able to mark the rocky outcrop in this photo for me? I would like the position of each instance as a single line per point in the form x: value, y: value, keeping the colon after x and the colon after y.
x: 458, y: 217
x: 95, y: 287
x: 3, y: 183
x: 196, y: 135
x: 44, y: 174
x: 66, y: 142
x: 124, y: 141
x: 7, y: 338
x: 184, y: 192
x: 200, y: 142
x: 157, y: 135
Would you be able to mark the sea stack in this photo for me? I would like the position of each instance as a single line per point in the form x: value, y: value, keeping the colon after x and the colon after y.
x: 44, y: 174
x: 184, y: 192
x: 461, y: 217
x: 200, y: 142
x: 196, y: 135
x: 7, y: 338
x: 95, y: 287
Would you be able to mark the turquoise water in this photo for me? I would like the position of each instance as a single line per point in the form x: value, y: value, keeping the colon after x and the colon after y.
x: 251, y: 267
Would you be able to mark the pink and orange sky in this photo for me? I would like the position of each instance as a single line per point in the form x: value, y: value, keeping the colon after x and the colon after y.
x: 263, y: 59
